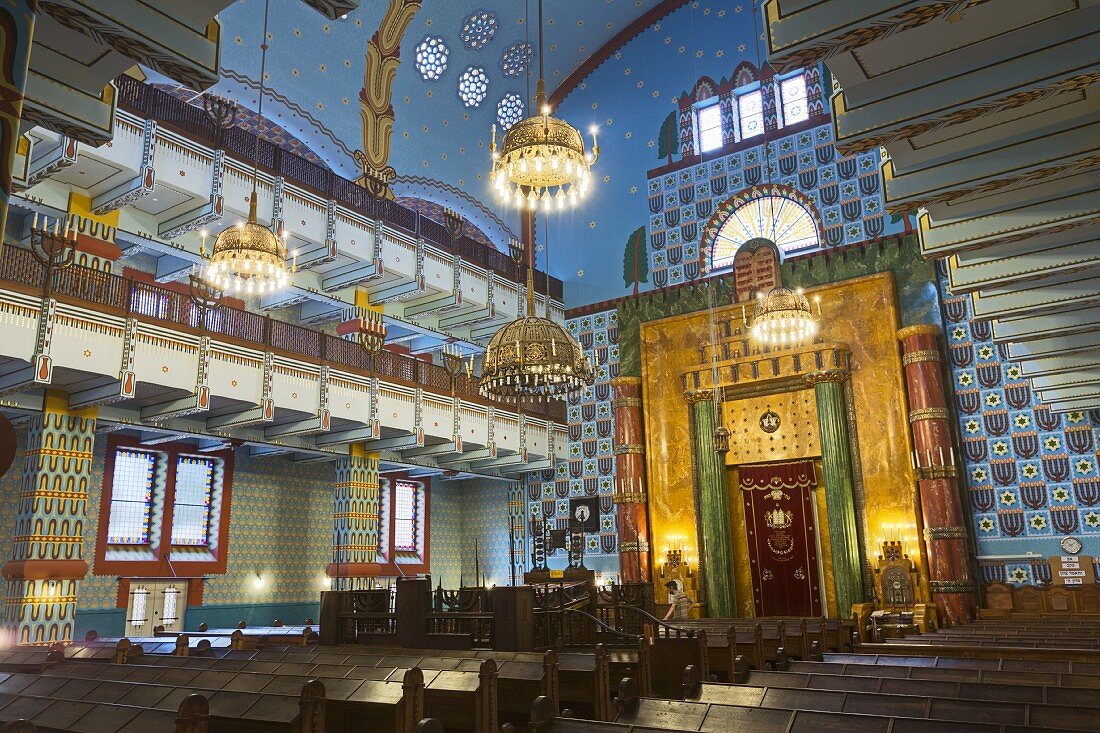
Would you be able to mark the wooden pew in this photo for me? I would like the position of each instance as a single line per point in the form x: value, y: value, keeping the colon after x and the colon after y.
x: 637, y: 710
x: 990, y: 690
x: 22, y: 713
x: 29, y: 659
x: 297, y: 707
x: 461, y: 700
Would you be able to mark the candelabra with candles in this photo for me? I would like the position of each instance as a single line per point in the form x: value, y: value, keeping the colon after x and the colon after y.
x: 455, y: 364
x: 206, y: 298
x: 372, y: 330
x: 222, y: 114
x: 55, y: 249
x: 676, y: 566
x: 934, y: 464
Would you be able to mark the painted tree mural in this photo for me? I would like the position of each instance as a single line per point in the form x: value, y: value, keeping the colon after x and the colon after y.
x: 636, y: 260
x: 667, y: 139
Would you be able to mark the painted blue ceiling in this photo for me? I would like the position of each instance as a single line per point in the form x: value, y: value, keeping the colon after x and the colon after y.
x: 440, y: 145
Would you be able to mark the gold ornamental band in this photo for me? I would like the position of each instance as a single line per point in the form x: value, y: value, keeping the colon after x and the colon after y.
x: 618, y: 402
x: 915, y: 357
x: 640, y: 546
x: 828, y: 375
x: 921, y: 329
x: 945, y: 533
x: 925, y: 473
x: 629, y: 497
x: 928, y: 413
x: 951, y: 586
x: 630, y: 448
x: 695, y: 396
x: 626, y: 382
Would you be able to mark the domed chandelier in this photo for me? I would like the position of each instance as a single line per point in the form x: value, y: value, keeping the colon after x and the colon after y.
x: 542, y: 160
x: 533, y: 358
x: 784, y: 317
x: 249, y: 258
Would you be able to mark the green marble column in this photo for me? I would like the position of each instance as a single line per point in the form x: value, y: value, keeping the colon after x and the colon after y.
x: 714, y: 508
x: 836, y: 467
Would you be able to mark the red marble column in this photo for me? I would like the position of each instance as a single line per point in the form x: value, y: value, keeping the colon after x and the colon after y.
x: 944, y: 521
x: 630, y: 482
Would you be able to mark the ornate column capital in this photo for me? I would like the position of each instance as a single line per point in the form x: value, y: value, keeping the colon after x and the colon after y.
x: 695, y: 396
x: 921, y: 329
x: 626, y: 381
x: 827, y: 375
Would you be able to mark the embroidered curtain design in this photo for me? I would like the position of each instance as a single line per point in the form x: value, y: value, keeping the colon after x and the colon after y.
x: 779, y: 520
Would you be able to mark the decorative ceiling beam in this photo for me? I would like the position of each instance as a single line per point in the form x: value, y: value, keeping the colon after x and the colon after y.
x: 450, y: 447
x: 1024, y: 351
x: 1044, y: 295
x: 139, y: 30
x: 800, y: 33
x: 1065, y: 379
x: 1062, y: 323
x: 1025, y: 162
x: 333, y: 9
x: 1061, y: 364
x: 1051, y: 213
x: 1023, y: 260
x: 901, y: 104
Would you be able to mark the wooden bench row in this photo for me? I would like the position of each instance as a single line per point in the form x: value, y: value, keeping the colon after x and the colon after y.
x: 946, y: 688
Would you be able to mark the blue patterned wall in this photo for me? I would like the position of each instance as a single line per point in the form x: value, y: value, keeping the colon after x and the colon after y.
x: 590, y: 470
x: 847, y: 191
x: 1031, y: 473
x: 466, y: 515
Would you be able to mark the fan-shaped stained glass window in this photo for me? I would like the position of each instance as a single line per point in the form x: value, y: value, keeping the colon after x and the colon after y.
x: 779, y: 219
x: 509, y: 110
x: 515, y: 59
x: 473, y: 85
x: 431, y: 58
x: 478, y: 29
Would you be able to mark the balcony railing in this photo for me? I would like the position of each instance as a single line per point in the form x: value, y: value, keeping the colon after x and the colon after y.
x: 149, y: 102
x: 151, y: 302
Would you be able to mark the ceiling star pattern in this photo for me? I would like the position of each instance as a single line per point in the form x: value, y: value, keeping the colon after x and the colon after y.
x: 316, y: 67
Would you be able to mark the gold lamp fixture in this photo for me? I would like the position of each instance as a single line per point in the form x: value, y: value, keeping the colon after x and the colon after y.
x: 542, y: 160
x: 249, y: 258
x: 784, y: 317
x: 533, y: 358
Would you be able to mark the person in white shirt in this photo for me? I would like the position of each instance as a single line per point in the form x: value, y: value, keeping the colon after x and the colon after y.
x: 680, y: 603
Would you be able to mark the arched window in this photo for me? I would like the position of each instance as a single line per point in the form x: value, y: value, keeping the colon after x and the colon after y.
x: 790, y: 225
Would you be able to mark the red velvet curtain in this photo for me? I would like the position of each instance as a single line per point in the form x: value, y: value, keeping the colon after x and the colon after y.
x: 779, y: 520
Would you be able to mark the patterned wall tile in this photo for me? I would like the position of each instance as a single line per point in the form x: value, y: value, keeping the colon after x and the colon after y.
x: 1031, y: 474
x: 590, y: 470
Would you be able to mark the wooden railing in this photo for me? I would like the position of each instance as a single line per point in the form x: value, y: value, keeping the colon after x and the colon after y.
x: 151, y: 302
x: 148, y: 102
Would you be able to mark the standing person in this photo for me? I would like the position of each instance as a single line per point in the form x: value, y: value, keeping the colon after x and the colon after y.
x: 680, y: 603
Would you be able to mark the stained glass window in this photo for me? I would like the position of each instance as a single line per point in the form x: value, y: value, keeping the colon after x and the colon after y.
x: 515, y: 59
x: 478, y: 29
x: 194, y: 492
x: 131, y: 497
x: 750, y: 109
x: 782, y: 220
x: 406, y: 504
x: 171, y: 605
x: 793, y: 93
x: 710, y: 128
x: 431, y: 58
x: 141, y: 604
x: 473, y: 85
x: 510, y: 110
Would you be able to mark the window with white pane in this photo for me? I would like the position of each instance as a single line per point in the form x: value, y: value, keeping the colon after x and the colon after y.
x: 792, y: 92
x: 406, y: 508
x: 750, y: 111
x: 710, y: 127
x: 195, y: 478
x: 131, y: 497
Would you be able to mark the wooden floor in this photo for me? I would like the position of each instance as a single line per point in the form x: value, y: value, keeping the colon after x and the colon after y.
x: 1002, y: 675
